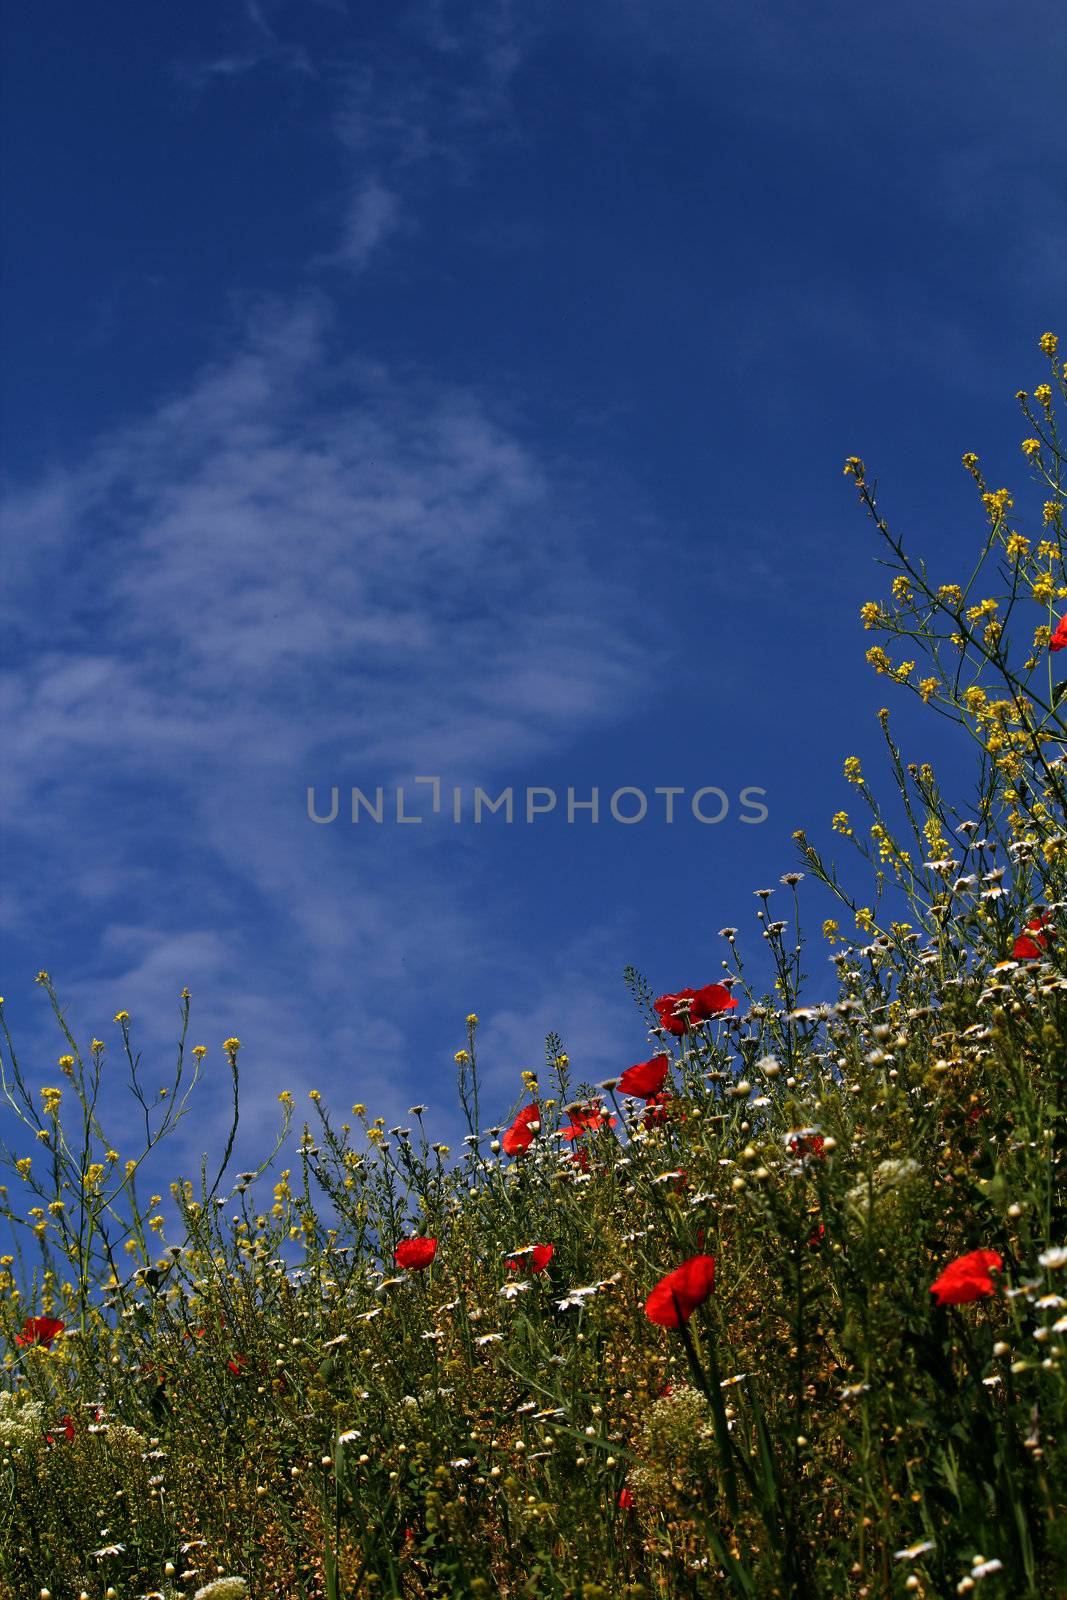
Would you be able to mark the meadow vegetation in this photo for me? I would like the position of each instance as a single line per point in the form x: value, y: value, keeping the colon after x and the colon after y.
x: 778, y: 1310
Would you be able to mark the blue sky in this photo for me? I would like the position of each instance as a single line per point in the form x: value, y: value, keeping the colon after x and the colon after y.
x: 463, y: 390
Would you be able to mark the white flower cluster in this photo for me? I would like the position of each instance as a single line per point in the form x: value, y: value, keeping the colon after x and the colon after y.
x: 21, y: 1421
x: 223, y: 1589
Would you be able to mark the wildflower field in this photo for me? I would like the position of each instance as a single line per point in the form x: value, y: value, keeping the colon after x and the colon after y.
x: 777, y: 1310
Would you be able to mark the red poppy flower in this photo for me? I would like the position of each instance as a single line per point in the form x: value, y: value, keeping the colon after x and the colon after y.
x: 521, y: 1133
x: 626, y: 1500
x: 1059, y: 638
x: 68, y: 1429
x: 807, y: 1146
x: 676, y: 1297
x: 535, y: 1260
x: 582, y: 1158
x: 587, y: 1118
x: 236, y: 1365
x: 1029, y: 945
x: 816, y: 1234
x: 658, y: 1109
x: 415, y: 1253
x: 646, y: 1078
x: 40, y: 1330
x: 967, y: 1278
x: 704, y: 1004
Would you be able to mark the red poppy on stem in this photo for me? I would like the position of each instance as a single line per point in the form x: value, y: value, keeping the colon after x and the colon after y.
x: 646, y: 1078
x: 626, y: 1500
x: 236, y: 1365
x: 587, y: 1119
x: 816, y: 1234
x: 68, y: 1429
x: 711, y: 1001
x: 967, y: 1278
x: 1029, y: 945
x: 658, y: 1109
x: 40, y: 1330
x: 415, y: 1253
x: 535, y: 1260
x: 807, y: 1146
x: 521, y: 1133
x: 676, y: 1296
x: 1059, y: 638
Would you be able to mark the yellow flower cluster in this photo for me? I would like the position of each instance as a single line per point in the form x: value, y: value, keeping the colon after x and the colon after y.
x: 998, y: 504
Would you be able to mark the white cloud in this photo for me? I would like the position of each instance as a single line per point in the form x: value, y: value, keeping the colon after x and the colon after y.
x: 297, y: 570
x: 374, y: 215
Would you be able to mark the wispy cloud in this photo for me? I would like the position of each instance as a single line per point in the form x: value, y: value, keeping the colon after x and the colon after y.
x: 374, y: 215
x: 300, y: 569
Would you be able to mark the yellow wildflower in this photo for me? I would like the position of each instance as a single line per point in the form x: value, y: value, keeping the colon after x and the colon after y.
x: 998, y: 504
